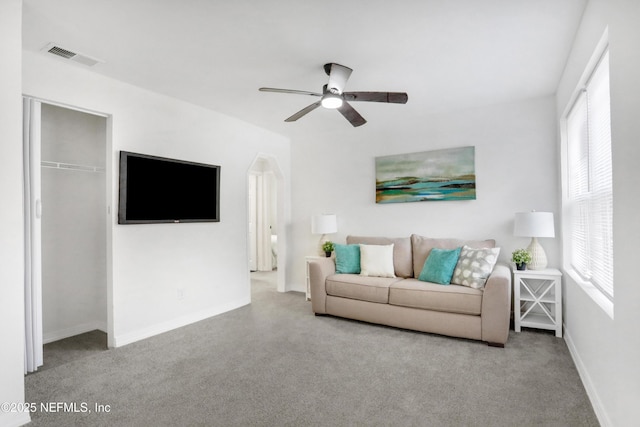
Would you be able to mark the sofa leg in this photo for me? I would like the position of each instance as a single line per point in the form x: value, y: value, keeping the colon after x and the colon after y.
x: 495, y: 344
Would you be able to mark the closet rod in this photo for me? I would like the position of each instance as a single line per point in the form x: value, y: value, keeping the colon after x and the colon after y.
x: 70, y: 166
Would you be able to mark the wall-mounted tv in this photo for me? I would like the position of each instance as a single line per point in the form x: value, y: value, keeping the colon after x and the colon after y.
x: 157, y: 190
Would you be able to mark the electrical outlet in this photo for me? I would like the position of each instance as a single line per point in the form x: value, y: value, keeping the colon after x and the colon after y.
x: 180, y: 293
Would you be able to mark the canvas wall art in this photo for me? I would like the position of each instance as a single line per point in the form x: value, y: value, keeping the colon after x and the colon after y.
x: 447, y: 174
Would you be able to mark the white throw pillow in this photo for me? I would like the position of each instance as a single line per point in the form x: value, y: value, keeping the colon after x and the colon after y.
x: 376, y: 260
x: 474, y: 266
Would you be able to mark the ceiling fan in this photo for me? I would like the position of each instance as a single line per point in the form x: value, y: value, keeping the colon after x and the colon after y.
x: 334, y: 97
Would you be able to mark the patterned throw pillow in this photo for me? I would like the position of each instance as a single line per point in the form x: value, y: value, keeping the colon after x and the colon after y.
x: 347, y: 259
x: 376, y: 260
x: 439, y: 266
x: 474, y: 266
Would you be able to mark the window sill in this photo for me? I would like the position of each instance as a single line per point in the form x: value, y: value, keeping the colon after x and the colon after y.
x: 594, y: 293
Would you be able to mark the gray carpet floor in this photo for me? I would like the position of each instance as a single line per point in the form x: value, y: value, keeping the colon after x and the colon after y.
x: 73, y: 348
x: 273, y: 363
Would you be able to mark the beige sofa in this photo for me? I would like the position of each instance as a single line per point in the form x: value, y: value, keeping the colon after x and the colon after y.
x: 405, y: 302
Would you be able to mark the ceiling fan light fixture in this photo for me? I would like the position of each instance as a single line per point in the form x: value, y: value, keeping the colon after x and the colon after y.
x: 331, y: 101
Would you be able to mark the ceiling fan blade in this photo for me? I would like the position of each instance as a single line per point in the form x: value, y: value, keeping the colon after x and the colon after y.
x: 305, y: 110
x: 296, y: 92
x: 338, y: 76
x: 391, y: 97
x: 351, y: 114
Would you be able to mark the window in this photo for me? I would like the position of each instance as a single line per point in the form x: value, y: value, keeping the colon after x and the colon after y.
x: 588, y: 198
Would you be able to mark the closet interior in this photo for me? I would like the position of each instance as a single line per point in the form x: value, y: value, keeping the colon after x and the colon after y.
x: 74, y: 223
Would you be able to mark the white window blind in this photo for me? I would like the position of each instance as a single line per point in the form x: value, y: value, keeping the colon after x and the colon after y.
x: 590, y: 190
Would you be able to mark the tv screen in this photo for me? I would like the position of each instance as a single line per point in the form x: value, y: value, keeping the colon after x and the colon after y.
x: 155, y: 190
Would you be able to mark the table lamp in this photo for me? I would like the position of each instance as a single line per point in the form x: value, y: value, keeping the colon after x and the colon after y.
x: 324, y: 224
x: 535, y: 224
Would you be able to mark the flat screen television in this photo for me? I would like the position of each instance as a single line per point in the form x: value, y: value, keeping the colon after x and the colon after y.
x: 159, y: 190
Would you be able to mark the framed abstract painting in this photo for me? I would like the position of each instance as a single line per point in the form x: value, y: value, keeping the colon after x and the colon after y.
x: 447, y: 174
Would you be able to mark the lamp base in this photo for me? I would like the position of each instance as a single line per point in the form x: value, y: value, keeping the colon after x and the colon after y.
x: 323, y: 240
x: 538, y: 256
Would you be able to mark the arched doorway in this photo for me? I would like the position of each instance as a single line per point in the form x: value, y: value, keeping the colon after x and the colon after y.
x: 266, y: 228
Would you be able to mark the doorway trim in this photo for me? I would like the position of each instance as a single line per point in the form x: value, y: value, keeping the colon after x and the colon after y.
x: 109, y: 214
x: 274, y: 167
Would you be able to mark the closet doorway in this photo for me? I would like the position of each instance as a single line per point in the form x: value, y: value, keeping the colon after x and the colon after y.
x: 67, y: 237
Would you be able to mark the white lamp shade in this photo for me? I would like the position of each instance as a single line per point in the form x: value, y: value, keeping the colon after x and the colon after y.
x: 324, y: 224
x: 534, y: 224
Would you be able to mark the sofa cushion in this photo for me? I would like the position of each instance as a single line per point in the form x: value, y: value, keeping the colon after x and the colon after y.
x: 421, y: 247
x: 402, y: 258
x: 474, y: 266
x: 354, y: 286
x: 347, y: 258
x: 439, y: 266
x: 376, y: 260
x: 431, y: 296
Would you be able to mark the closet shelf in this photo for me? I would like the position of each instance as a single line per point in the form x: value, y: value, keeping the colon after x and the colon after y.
x: 71, y: 166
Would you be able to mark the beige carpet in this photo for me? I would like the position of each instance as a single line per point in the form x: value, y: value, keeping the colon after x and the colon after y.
x: 274, y: 363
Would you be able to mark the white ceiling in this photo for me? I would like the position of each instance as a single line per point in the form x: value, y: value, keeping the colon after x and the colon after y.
x: 446, y: 54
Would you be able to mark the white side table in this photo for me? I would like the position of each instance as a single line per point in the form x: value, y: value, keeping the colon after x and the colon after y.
x: 538, y: 299
x: 307, y: 259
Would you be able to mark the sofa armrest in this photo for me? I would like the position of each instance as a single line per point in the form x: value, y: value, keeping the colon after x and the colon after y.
x: 319, y: 269
x: 496, y: 306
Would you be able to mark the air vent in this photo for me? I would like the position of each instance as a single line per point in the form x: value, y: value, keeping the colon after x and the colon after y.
x: 62, y: 52
x: 53, y: 49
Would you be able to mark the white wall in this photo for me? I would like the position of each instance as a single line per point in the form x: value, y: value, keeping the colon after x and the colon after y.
x: 154, y: 263
x: 516, y: 170
x: 11, y: 219
x: 607, y: 350
x: 625, y: 107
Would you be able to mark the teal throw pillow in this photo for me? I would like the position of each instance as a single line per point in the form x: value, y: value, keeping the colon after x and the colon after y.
x: 347, y: 259
x: 439, y: 266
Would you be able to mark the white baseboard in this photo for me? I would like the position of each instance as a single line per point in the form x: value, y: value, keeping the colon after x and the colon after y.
x: 598, y: 408
x: 131, y: 337
x: 73, y: 331
x: 14, y: 419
